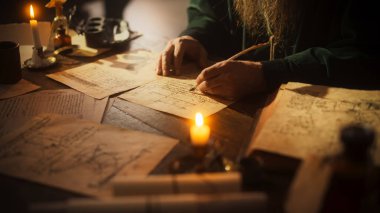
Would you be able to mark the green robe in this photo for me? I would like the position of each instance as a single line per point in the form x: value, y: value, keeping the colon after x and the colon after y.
x: 337, y: 42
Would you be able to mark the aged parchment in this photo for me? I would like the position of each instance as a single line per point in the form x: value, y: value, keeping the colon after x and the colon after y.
x: 308, y: 119
x: 20, y: 88
x: 15, y: 111
x: 111, y: 75
x: 173, y: 95
x: 79, y: 155
x: 96, y: 80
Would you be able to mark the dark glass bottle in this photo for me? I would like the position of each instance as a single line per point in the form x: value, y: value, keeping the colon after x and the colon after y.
x: 61, y: 39
x: 354, y: 185
x: 59, y: 28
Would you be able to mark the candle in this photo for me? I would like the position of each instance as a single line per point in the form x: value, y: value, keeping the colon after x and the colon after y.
x: 199, y: 133
x: 34, y: 27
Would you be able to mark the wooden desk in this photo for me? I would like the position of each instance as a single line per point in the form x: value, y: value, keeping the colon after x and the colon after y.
x: 233, y: 126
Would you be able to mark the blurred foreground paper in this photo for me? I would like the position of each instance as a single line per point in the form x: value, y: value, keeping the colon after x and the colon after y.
x: 242, y: 202
x: 20, y: 88
x: 79, y: 155
x: 108, y: 76
x: 308, y: 119
x: 15, y: 111
x: 200, y: 183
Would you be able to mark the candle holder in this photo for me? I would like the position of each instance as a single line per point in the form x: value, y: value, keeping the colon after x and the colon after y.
x: 207, y: 158
x: 39, y: 60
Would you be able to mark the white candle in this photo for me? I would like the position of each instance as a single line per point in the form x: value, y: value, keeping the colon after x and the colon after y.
x: 199, y: 133
x: 34, y: 27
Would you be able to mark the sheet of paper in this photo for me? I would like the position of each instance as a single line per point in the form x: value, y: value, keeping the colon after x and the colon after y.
x: 308, y: 119
x: 173, y: 95
x: 107, y: 76
x: 79, y: 155
x: 20, y: 88
x: 14, y: 111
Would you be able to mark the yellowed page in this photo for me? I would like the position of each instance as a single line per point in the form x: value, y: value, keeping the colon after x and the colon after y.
x: 168, y: 94
x: 308, y: 119
x: 109, y: 76
x: 15, y: 111
x: 79, y: 155
x: 173, y: 96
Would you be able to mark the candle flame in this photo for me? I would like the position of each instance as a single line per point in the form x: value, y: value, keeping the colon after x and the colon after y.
x: 198, y: 119
x: 31, y: 12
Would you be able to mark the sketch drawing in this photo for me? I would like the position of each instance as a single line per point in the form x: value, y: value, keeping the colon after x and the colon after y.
x: 16, y: 111
x: 78, y: 155
x: 307, y: 119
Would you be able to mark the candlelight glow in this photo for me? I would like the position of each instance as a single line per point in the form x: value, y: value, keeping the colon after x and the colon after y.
x: 200, y: 132
x: 198, y: 119
x: 31, y: 12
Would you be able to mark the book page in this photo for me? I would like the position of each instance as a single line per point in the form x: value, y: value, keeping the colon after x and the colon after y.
x: 15, y: 111
x: 308, y: 119
x: 79, y: 155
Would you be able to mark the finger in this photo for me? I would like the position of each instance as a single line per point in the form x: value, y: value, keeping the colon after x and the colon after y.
x: 178, y: 57
x: 158, y: 66
x: 209, y: 73
x: 210, y: 84
x: 215, y: 91
x: 167, y: 60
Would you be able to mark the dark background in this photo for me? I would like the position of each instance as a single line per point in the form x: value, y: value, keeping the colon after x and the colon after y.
x: 18, y: 11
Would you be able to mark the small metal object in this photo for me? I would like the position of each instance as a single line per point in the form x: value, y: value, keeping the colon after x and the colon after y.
x: 104, y: 32
x: 39, y: 60
x: 66, y: 49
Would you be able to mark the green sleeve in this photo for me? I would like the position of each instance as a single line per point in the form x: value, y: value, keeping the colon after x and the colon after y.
x: 351, y: 60
x: 208, y: 23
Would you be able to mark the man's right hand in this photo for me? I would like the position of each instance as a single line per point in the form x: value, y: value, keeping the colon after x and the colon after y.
x: 171, y: 58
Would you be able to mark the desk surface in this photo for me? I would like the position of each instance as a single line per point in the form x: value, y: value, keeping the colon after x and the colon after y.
x: 233, y: 127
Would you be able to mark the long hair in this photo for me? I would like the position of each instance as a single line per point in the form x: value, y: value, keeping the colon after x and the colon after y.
x: 272, y: 17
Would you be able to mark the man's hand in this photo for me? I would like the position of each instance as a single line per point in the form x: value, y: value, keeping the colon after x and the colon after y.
x: 171, y: 58
x: 232, y: 79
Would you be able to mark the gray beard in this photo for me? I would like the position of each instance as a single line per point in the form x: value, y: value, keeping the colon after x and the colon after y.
x: 271, y: 17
